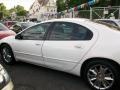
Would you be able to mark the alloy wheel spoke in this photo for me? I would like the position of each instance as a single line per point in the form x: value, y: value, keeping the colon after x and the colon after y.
x: 92, y: 79
x: 4, y: 51
x: 97, y: 83
x: 93, y: 71
x: 105, y: 83
x: 109, y: 78
x: 9, y: 56
x: 101, y: 69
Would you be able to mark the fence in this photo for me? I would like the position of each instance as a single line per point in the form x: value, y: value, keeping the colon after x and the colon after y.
x: 95, y: 13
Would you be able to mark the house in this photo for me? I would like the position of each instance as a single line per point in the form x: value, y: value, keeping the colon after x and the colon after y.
x: 43, y: 10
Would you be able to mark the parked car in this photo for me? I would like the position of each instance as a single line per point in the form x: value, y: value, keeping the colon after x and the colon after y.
x: 77, y: 46
x: 4, y: 31
x: 115, y: 22
x: 5, y: 81
x: 8, y: 24
x: 19, y: 26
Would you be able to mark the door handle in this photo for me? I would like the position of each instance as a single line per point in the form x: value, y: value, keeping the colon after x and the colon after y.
x: 78, y: 46
x: 37, y: 44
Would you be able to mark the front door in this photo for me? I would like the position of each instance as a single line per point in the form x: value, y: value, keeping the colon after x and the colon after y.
x: 29, y: 47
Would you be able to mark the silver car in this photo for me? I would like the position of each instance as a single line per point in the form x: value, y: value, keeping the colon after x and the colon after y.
x: 115, y: 22
x: 5, y: 81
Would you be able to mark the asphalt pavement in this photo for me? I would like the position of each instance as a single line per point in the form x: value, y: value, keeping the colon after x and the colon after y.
x: 31, y: 77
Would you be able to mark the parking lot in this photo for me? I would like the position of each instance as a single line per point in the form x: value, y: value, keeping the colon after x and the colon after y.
x: 30, y: 77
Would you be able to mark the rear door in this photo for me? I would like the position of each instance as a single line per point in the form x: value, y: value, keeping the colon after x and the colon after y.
x: 66, y: 45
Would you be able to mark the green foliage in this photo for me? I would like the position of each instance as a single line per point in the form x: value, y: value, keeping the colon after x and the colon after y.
x: 62, y: 4
x: 2, y: 10
x: 19, y: 8
x: 73, y: 3
x: 20, y: 11
x: 12, y: 10
x: 4, y: 13
x: 2, y: 7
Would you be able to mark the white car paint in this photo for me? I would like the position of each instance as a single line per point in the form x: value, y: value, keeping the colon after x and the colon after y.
x: 69, y: 56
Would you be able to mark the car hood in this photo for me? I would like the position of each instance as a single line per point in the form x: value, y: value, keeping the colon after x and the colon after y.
x: 6, y: 33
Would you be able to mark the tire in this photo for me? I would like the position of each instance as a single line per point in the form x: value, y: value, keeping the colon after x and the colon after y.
x: 102, y: 75
x: 7, y: 54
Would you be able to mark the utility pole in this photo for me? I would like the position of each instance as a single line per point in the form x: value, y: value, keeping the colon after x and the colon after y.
x: 119, y: 13
x: 91, y: 11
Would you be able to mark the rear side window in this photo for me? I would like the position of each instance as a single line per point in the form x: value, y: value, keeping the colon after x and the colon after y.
x: 70, y: 31
x: 3, y: 27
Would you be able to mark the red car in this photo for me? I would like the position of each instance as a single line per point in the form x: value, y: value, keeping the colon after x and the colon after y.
x: 9, y: 23
x: 4, y: 31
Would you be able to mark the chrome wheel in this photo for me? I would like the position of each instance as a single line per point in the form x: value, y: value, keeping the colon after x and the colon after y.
x: 100, y: 77
x: 7, y: 56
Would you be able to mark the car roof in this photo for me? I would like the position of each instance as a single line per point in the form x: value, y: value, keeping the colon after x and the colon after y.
x: 68, y: 20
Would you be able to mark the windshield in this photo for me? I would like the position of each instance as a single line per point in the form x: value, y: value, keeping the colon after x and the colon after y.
x: 3, y: 27
x: 108, y: 25
x: 25, y: 25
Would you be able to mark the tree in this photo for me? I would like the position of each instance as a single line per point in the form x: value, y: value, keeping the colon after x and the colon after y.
x: 2, y: 10
x: 21, y: 13
x: 19, y: 10
x: 73, y: 3
x: 60, y: 5
x: 12, y: 10
x: 2, y: 7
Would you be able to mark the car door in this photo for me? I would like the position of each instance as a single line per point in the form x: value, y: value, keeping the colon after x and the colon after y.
x: 66, y: 45
x: 28, y: 48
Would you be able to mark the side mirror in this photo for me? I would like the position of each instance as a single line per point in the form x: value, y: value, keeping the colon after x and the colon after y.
x: 19, y: 37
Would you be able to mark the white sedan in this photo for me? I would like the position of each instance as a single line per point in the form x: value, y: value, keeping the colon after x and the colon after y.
x: 77, y: 46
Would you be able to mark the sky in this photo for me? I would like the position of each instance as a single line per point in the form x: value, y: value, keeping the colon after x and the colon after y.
x: 11, y: 3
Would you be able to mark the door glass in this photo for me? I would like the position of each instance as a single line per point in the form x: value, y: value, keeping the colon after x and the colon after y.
x: 70, y: 31
x: 36, y: 32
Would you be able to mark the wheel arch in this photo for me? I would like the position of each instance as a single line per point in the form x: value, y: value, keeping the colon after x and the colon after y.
x: 83, y: 66
x: 5, y: 44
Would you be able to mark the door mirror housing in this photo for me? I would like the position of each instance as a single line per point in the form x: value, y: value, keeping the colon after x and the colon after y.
x: 19, y: 37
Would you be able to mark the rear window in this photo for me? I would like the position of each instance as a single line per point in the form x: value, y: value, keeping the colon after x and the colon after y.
x: 3, y: 27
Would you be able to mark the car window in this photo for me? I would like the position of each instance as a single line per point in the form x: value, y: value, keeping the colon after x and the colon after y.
x: 70, y: 31
x: 2, y: 27
x: 36, y: 32
x: 25, y: 25
x: 110, y: 22
x: 108, y: 25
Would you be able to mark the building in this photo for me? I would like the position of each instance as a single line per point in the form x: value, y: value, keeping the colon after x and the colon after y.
x: 43, y: 10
